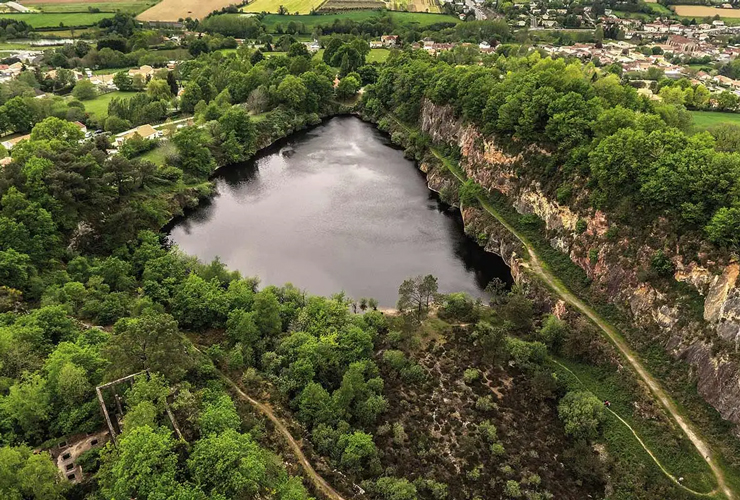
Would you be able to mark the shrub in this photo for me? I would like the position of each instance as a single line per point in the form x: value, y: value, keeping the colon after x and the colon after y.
x: 512, y: 489
x: 581, y: 226
x: 471, y: 375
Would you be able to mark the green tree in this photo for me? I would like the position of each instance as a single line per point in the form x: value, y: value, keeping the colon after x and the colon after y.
x: 417, y: 293
x: 54, y: 128
x: 159, y: 90
x: 27, y: 406
x: 84, y: 90
x: 150, y: 341
x: 229, y: 464
x: 582, y: 414
x: 391, y: 488
x: 358, y: 451
x: 123, y: 81
x: 722, y: 230
x: 200, y: 304
x: 348, y: 87
x: 195, y: 158
x: 292, y: 92
x: 142, y: 465
x: 219, y: 416
x: 28, y: 475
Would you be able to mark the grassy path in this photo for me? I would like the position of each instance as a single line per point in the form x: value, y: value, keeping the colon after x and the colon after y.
x: 539, y: 269
x: 639, y: 439
x: 321, y: 484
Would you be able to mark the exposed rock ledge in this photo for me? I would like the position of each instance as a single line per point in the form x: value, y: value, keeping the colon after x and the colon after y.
x: 613, y: 274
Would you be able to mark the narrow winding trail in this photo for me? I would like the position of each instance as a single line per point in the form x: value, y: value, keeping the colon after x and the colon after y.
x: 319, y: 482
x: 639, y: 440
x: 536, y: 267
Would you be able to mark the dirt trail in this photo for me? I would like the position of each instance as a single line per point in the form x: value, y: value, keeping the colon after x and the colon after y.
x: 535, y: 266
x: 642, y: 443
x: 319, y: 482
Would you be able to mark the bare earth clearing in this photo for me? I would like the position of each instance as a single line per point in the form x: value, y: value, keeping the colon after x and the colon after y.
x: 704, y: 11
x: 174, y: 10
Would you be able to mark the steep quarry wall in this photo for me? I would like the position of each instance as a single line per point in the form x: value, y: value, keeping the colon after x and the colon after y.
x: 613, y: 265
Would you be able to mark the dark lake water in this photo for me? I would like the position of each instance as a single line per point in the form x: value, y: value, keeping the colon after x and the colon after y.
x: 335, y: 208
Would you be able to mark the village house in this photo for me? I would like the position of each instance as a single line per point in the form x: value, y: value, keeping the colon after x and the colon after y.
x: 389, y: 40
x: 146, y: 71
x: 143, y: 131
x: 105, y: 81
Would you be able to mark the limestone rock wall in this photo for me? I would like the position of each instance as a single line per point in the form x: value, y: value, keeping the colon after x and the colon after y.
x: 614, y: 264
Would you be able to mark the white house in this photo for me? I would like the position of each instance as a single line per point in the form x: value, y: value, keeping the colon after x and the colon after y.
x: 143, y: 131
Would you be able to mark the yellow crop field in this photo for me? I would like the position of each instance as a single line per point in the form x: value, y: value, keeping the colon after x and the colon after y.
x: 174, y: 10
x: 293, y: 6
x: 704, y: 11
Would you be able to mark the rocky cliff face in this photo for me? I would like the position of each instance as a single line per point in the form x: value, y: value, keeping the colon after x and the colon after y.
x: 614, y: 263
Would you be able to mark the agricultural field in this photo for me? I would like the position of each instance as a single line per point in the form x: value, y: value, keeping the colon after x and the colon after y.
x: 415, y: 5
x: 704, y: 11
x: 347, y: 5
x: 174, y: 10
x: 293, y: 6
x: 58, y: 20
x: 422, y: 19
x: 62, y: 6
x: 706, y: 119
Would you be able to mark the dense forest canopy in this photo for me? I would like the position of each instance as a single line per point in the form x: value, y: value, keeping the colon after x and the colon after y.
x: 634, y: 155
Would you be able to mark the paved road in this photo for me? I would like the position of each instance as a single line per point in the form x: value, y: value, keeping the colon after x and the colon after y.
x: 479, y: 14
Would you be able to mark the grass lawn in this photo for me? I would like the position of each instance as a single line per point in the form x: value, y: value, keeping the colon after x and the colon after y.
x: 111, y: 71
x: 14, y: 46
x: 705, y: 119
x: 160, y: 153
x: 377, y: 55
x: 57, y: 20
x: 132, y: 7
x: 401, y: 18
x: 99, y: 105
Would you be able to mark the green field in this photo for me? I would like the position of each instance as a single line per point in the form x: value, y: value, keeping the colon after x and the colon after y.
x: 57, y: 20
x: 132, y: 6
x: 660, y: 10
x: 403, y: 18
x: 705, y: 119
x: 99, y: 105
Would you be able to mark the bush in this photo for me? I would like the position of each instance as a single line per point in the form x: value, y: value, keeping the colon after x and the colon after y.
x: 460, y: 307
x: 661, y: 264
x: 581, y: 226
x: 471, y: 375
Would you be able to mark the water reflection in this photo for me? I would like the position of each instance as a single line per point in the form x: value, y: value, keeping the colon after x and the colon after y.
x: 335, y: 208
